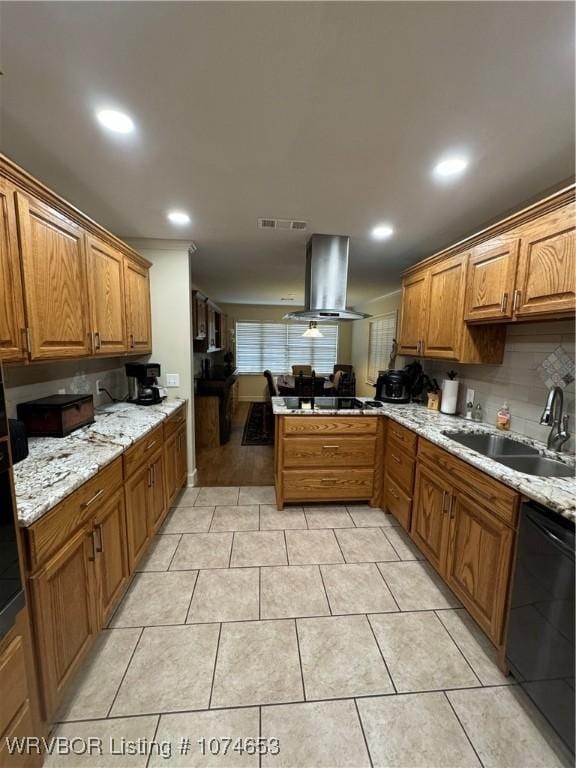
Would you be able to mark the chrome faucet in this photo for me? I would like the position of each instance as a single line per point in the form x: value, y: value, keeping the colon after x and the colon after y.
x: 552, y: 416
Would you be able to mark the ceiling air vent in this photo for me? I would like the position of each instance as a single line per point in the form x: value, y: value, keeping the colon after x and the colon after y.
x: 289, y: 224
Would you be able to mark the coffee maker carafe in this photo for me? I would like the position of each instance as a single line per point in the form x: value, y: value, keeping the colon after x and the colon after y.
x: 143, y: 386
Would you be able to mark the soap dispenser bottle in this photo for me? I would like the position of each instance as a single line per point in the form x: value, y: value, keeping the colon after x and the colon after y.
x: 503, y: 418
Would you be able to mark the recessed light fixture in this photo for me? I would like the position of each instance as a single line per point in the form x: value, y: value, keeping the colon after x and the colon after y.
x: 382, y: 231
x: 180, y: 218
x: 115, y: 121
x: 450, y: 166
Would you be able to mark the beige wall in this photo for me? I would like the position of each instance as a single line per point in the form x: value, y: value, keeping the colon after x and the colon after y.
x: 359, y: 357
x: 253, y: 387
x: 171, y: 321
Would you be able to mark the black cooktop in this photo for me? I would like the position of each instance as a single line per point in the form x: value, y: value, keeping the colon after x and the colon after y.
x: 329, y: 403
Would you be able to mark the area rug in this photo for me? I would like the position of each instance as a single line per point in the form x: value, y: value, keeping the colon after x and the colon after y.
x: 259, y: 427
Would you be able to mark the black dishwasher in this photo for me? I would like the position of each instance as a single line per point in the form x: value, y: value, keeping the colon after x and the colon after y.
x: 540, y: 643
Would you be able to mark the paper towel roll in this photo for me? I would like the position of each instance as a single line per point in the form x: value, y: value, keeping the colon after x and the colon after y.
x: 449, y: 396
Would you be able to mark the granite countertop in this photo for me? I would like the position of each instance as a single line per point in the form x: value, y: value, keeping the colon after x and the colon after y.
x: 556, y: 493
x: 56, y: 466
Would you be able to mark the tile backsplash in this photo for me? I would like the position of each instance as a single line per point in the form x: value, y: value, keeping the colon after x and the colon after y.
x: 518, y: 380
x: 71, y: 377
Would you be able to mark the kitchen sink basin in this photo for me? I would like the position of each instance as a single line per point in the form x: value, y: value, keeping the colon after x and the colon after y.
x: 536, y: 465
x: 492, y: 445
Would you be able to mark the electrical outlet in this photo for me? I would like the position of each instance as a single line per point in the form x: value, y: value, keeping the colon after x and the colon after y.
x: 172, y: 379
x: 99, y: 386
x: 470, y: 395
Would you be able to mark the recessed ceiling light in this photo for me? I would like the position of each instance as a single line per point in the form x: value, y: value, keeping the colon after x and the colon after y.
x: 451, y: 166
x: 178, y: 217
x: 382, y: 231
x: 119, y: 122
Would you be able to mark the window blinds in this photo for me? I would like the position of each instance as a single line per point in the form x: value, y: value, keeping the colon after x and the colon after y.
x: 278, y: 346
x: 381, y: 334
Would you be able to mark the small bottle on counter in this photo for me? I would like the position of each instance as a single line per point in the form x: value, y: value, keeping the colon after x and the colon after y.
x: 503, y: 418
x: 477, y: 414
x: 469, y: 410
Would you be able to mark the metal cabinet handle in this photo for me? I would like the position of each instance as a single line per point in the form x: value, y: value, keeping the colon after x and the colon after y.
x: 330, y: 447
x: 149, y: 476
x: 327, y: 479
x: 131, y: 337
x: 153, y: 468
x: 517, y: 294
x: 444, y: 510
x: 396, y: 459
x: 393, y: 492
x: 450, y: 512
x: 150, y: 445
x: 504, y: 302
x: 100, y: 547
x: 93, y: 557
x: 93, y: 499
x: 97, y: 342
x: 28, y: 336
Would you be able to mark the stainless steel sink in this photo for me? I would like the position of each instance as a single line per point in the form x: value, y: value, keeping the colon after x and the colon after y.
x: 492, y: 445
x: 536, y: 465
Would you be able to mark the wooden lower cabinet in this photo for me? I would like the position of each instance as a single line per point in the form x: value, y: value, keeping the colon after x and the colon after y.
x: 19, y: 715
x: 137, y: 489
x: 112, y: 572
x: 430, y: 516
x: 64, y: 614
x: 157, y: 496
x: 479, y: 562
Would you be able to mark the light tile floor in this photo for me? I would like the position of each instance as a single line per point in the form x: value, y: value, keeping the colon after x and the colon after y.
x: 320, y: 627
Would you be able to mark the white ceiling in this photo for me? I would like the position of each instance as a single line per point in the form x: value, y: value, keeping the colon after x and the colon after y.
x: 329, y: 112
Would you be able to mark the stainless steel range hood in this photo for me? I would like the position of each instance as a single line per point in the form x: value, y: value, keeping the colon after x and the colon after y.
x: 326, y: 280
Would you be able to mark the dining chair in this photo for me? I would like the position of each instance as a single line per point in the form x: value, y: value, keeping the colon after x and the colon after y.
x: 270, y: 382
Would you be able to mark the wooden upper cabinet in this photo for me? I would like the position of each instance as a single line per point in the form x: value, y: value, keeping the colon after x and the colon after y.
x: 107, y: 300
x: 55, y: 291
x: 414, y: 299
x: 490, y: 282
x: 12, y: 324
x: 443, y: 319
x: 199, y: 316
x: 546, y: 279
x: 138, y: 316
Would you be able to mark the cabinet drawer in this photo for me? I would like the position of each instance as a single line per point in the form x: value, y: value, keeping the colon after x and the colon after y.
x: 331, y: 452
x: 405, y: 437
x: 12, y: 681
x: 397, y: 502
x: 329, y: 425
x: 498, y: 498
x: 174, y: 421
x: 138, y: 453
x: 400, y: 466
x: 55, y: 528
x: 329, y: 484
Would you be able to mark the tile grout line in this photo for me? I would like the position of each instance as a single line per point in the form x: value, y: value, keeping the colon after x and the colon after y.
x: 300, y: 659
x: 381, y: 653
x: 214, y: 669
x: 396, y: 603
x: 457, y: 646
x: 462, y: 726
x: 259, y: 593
x: 231, y: 550
x: 363, y: 733
x: 174, y: 553
x: 339, y: 546
x: 110, y: 708
x: 260, y: 734
x: 192, y: 597
x: 153, y: 740
x: 325, y: 590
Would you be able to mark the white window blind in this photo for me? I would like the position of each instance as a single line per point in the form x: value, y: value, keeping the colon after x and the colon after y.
x: 278, y: 346
x: 381, y: 335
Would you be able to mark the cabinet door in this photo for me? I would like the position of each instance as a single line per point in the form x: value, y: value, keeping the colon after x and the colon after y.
x: 414, y: 296
x: 479, y: 558
x: 107, y: 301
x: 211, y: 327
x: 137, y: 492
x: 64, y: 613
x: 55, y: 291
x: 171, y: 467
x: 445, y: 308
x: 200, y: 320
x: 546, y: 280
x: 12, y: 324
x: 112, y: 557
x: 138, y: 318
x: 182, y: 456
x: 490, y: 281
x: 157, y: 501
x: 430, y: 521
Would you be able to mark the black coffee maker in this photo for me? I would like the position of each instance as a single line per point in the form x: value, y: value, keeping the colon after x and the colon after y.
x: 393, y: 387
x: 143, y: 386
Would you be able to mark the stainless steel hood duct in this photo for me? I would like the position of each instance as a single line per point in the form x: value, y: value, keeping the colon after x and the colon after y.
x: 326, y: 280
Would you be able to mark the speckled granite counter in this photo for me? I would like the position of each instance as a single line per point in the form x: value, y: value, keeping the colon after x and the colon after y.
x: 557, y: 493
x: 57, y: 466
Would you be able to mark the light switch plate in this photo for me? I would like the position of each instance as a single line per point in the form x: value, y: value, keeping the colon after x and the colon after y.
x: 172, y: 379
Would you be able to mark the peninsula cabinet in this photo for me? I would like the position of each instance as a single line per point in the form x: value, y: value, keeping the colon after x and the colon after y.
x: 138, y: 315
x: 12, y: 323
x: 55, y: 290
x: 106, y: 293
x: 464, y: 522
